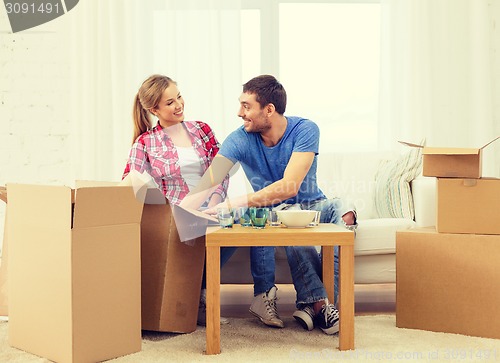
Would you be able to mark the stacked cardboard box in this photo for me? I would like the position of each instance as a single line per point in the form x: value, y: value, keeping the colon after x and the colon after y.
x: 447, y: 277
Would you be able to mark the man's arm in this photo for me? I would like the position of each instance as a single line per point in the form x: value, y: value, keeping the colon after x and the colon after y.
x: 288, y: 187
x: 283, y: 189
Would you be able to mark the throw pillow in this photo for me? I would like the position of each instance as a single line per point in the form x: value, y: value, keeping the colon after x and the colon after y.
x: 393, y: 197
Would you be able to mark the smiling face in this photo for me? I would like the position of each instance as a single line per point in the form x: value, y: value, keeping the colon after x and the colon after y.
x: 170, y: 109
x: 255, y: 118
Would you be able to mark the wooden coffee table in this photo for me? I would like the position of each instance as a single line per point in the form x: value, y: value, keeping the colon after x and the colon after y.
x: 325, y: 235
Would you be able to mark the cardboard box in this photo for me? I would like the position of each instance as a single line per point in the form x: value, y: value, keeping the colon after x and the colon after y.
x: 468, y: 206
x: 171, y: 270
x: 449, y: 162
x: 448, y: 282
x: 74, y: 271
x: 4, y: 302
x: 4, y: 296
x: 3, y: 194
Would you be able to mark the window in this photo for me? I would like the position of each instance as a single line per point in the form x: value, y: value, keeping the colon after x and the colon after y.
x: 250, y: 44
x: 328, y: 60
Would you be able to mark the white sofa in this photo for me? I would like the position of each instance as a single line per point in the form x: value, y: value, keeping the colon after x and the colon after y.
x: 352, y: 176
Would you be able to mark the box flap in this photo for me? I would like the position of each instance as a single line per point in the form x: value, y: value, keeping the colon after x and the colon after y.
x: 139, y: 190
x: 190, y: 226
x: 40, y: 205
x: 450, y: 151
x: 98, y: 206
x: 410, y: 144
x: 154, y: 196
x: 495, y: 139
x: 3, y: 194
x: 93, y: 183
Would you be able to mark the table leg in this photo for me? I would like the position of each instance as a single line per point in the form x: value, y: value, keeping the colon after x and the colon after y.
x: 346, y: 295
x: 327, y: 252
x: 213, y: 299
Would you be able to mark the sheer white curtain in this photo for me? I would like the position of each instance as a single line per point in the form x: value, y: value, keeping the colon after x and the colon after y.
x: 118, y: 44
x: 438, y: 68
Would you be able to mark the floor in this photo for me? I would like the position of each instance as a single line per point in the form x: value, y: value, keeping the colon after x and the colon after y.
x: 369, y: 299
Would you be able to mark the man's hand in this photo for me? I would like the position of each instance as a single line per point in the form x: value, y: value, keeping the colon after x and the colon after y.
x: 241, y: 201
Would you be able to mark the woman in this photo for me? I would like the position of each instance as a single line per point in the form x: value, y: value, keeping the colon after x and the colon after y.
x: 175, y: 152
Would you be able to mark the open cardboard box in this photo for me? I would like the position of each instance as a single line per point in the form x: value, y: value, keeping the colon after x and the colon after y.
x: 448, y: 282
x: 468, y: 205
x: 171, y: 269
x: 74, y: 271
x: 172, y: 259
x: 449, y: 162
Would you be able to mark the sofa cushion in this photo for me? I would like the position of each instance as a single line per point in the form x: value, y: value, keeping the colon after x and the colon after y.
x: 375, y: 269
x: 378, y: 236
x: 392, y: 185
x: 423, y: 190
x: 351, y: 176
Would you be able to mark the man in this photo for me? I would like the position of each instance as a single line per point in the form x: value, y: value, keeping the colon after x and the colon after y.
x: 278, y: 154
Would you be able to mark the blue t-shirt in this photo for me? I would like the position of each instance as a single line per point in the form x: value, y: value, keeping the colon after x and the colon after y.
x: 264, y: 165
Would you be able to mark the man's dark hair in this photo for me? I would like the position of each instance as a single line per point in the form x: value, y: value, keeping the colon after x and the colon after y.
x: 267, y: 90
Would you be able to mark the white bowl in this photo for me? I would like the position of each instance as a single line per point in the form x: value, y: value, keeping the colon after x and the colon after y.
x: 296, y: 218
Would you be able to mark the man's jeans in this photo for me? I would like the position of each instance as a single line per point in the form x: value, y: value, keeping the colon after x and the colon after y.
x: 225, y: 254
x: 304, y: 261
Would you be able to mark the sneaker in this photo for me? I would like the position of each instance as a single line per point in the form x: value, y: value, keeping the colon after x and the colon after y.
x: 352, y: 227
x: 305, y: 317
x: 264, y: 307
x: 202, y: 311
x: 328, y: 319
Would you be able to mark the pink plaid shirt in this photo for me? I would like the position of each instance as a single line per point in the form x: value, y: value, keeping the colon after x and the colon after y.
x: 154, y: 152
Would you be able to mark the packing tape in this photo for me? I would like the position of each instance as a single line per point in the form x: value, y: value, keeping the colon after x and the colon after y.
x: 470, y: 182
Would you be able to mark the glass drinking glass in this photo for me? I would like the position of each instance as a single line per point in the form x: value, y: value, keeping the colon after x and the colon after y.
x: 315, y: 221
x: 259, y: 217
x: 225, y: 217
x: 274, y: 221
x: 242, y: 214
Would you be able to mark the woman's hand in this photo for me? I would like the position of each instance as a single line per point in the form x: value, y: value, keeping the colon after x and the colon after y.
x: 213, y: 210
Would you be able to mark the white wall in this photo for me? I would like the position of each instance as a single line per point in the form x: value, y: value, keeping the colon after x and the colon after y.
x: 35, y: 112
x: 495, y: 59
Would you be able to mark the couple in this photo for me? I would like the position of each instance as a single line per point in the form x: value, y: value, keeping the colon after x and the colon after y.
x: 278, y: 154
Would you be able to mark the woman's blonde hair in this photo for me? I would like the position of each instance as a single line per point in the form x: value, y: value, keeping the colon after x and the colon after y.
x: 148, y: 97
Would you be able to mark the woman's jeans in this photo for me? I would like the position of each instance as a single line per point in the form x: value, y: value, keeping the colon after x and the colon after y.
x: 304, y: 261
